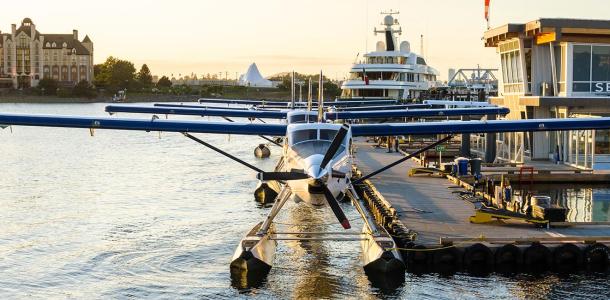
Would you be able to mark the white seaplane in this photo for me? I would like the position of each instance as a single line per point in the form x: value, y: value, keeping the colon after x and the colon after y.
x: 315, y: 167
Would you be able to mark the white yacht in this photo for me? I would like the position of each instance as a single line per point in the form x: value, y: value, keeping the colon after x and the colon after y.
x: 391, y: 71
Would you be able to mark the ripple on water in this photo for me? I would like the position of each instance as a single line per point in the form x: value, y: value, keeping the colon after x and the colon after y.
x: 129, y: 215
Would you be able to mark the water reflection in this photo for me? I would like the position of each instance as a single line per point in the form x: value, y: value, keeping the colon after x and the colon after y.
x: 129, y: 215
x: 585, y: 203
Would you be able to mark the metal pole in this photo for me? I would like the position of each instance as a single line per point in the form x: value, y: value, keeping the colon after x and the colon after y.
x: 553, y: 69
x: 465, y: 147
x: 292, y: 91
x: 490, y: 143
x: 309, y: 96
x: 320, y: 98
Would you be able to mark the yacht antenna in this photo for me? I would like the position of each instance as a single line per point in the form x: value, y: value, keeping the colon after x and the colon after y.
x: 421, y: 46
x: 292, y: 91
x: 366, y: 36
x: 320, y: 98
x: 309, y: 97
x: 389, y: 30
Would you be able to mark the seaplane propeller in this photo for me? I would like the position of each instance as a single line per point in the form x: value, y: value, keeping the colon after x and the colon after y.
x: 319, y: 176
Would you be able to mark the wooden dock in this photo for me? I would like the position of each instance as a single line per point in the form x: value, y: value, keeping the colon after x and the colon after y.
x: 429, y: 206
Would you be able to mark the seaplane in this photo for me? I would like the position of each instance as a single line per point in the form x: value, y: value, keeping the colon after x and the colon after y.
x: 315, y: 168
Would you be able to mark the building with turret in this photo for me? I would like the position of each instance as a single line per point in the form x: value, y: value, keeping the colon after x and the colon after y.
x: 27, y: 56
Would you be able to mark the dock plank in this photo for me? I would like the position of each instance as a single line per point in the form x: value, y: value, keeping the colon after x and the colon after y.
x: 444, y: 213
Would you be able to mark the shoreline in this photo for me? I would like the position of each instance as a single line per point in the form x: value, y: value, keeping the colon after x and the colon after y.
x: 14, y: 98
x: 130, y: 99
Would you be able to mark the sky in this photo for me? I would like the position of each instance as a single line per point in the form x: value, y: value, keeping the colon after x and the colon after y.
x: 206, y: 36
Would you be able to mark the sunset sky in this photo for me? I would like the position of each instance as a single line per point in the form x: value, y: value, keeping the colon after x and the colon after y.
x: 204, y: 36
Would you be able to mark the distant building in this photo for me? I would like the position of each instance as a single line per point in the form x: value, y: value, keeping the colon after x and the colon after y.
x: 554, y: 68
x: 253, y: 78
x: 26, y: 56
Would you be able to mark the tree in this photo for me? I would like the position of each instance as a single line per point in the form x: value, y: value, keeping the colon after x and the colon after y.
x: 164, y: 82
x: 115, y: 74
x: 144, y: 77
x: 48, y: 86
x: 84, y: 89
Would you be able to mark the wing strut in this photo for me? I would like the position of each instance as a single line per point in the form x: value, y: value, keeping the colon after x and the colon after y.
x: 262, y: 175
x: 361, y: 179
x: 261, y: 136
x: 194, y: 138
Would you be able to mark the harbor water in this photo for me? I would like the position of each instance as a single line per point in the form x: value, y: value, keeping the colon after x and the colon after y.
x: 147, y: 215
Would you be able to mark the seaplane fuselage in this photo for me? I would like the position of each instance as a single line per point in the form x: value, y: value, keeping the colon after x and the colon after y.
x: 304, y: 148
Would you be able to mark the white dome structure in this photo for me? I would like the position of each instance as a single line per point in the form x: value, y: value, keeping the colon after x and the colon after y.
x: 254, y: 78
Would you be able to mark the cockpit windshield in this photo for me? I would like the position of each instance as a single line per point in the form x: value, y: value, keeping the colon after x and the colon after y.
x: 328, y: 134
x: 300, y: 136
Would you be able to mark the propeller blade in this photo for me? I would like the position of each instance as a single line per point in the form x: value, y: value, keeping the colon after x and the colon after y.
x: 334, y: 146
x: 282, y: 176
x: 334, y: 205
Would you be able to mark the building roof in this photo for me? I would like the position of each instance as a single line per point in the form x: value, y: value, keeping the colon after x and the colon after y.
x: 60, y: 39
x: 87, y: 39
x: 546, y: 30
x: 27, y: 30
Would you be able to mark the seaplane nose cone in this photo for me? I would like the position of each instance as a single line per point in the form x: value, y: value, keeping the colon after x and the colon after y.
x: 312, y: 166
x: 314, y: 171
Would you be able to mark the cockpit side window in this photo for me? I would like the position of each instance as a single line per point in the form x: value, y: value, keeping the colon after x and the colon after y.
x: 302, y: 136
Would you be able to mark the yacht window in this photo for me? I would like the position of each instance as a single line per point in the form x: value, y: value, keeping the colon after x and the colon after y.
x: 303, y: 135
x: 327, y: 134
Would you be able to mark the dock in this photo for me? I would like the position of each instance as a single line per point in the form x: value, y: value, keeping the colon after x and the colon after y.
x: 431, y: 207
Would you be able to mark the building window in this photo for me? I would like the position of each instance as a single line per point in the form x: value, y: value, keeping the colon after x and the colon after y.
x: 600, y: 63
x: 591, y: 69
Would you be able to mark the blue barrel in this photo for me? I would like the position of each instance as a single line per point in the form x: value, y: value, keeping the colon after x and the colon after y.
x: 508, y: 194
x: 462, y: 165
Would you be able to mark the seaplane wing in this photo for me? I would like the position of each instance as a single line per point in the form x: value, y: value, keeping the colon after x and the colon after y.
x: 284, y: 103
x: 204, y: 111
x: 153, y: 124
x: 379, y: 107
x: 458, y: 127
x: 236, y: 101
x: 181, y: 105
x: 341, y: 115
x: 403, y: 113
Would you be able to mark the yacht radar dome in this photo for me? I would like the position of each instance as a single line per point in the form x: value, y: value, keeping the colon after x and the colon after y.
x: 388, y: 20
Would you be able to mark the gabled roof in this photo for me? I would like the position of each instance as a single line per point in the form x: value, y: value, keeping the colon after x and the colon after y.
x: 27, y: 30
x: 60, y: 39
x: 87, y: 39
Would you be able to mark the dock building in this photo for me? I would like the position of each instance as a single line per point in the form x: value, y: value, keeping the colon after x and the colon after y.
x: 554, y: 68
x: 26, y: 56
